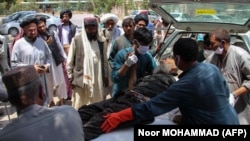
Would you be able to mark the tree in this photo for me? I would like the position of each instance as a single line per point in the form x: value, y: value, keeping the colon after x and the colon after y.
x: 105, y: 6
x: 93, y: 4
x: 79, y: 5
x: 31, y: 6
x: 3, y: 7
x: 144, y: 4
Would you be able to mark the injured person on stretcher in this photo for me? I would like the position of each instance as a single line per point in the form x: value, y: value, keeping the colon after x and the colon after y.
x: 145, y: 88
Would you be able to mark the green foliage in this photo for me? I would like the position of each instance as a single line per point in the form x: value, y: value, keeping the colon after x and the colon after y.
x: 64, y: 5
x: 144, y: 4
x: 130, y: 4
x: 31, y: 6
x: 3, y: 7
x: 88, y: 7
x: 105, y: 6
x: 79, y: 6
x: 15, y: 8
x: 95, y: 6
x: 11, y: 6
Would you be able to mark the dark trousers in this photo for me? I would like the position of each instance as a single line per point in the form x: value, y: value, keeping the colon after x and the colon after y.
x: 92, y: 115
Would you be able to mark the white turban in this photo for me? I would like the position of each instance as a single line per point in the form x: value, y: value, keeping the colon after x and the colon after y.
x: 109, y: 16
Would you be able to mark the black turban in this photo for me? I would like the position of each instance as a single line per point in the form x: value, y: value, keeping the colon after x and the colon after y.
x: 28, y: 21
x: 140, y: 17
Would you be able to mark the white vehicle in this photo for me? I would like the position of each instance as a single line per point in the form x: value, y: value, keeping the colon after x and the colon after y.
x: 223, y: 14
x: 16, y: 16
x: 13, y: 27
x: 238, y: 9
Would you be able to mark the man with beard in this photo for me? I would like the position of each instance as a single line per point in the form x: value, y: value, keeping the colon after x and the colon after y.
x: 32, y: 50
x: 87, y: 65
x: 59, y: 57
x: 111, y: 31
x: 66, y: 31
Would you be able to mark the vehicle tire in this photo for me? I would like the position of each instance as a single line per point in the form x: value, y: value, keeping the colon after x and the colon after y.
x: 13, y: 31
x: 52, y: 27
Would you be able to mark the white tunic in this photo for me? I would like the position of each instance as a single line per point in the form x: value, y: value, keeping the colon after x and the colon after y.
x: 57, y: 73
x: 26, y: 53
x: 97, y: 94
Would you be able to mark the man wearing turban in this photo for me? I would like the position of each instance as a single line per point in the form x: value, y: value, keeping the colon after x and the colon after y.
x: 87, y: 64
x: 111, y: 31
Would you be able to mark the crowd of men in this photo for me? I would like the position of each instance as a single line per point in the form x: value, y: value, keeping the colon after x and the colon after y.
x: 105, y: 59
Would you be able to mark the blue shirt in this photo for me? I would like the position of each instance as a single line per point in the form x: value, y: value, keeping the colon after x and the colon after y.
x: 40, y: 123
x: 145, y: 64
x: 151, y: 27
x: 201, y: 94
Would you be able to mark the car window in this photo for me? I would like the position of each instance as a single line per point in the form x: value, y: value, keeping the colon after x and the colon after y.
x: 186, y: 16
x: 23, y: 14
x: 16, y: 16
x: 28, y: 16
x: 40, y: 15
x: 239, y: 12
x: 152, y: 13
x: 175, y: 15
x: 169, y: 43
x: 238, y: 41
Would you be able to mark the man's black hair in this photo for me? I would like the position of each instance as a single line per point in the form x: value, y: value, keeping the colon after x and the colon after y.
x: 28, y: 20
x: 186, y: 48
x: 39, y: 18
x: 66, y: 11
x: 206, y: 39
x: 143, y: 36
x: 127, y: 21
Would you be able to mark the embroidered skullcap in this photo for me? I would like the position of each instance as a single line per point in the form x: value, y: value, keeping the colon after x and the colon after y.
x: 27, y: 21
x: 65, y: 11
x: 90, y: 21
x: 19, y: 76
x: 109, y: 16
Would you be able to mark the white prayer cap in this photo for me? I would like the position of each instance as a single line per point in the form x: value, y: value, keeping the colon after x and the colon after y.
x: 109, y: 16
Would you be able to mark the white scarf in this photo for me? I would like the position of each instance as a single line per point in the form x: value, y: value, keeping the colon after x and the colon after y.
x: 88, y: 61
